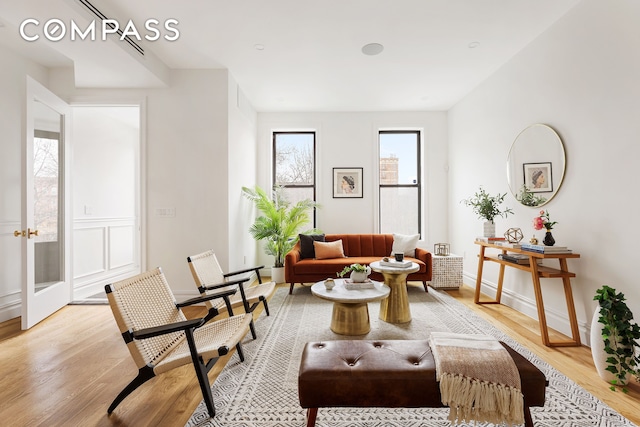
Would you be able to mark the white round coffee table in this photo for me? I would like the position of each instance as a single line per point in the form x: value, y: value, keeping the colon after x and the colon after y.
x: 395, y: 309
x: 350, y: 311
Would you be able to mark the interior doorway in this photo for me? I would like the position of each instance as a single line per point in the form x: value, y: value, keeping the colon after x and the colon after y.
x: 107, y: 196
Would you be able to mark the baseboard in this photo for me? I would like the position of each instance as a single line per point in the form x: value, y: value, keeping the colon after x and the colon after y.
x: 555, y: 319
x: 10, y: 311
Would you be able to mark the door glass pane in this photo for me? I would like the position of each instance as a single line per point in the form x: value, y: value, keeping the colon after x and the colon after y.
x: 47, y: 197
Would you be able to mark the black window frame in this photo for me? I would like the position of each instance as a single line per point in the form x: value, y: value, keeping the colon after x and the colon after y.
x: 273, y: 165
x: 417, y: 185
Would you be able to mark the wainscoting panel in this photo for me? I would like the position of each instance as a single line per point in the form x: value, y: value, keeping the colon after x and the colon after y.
x: 88, y: 252
x: 105, y: 250
x: 121, y: 246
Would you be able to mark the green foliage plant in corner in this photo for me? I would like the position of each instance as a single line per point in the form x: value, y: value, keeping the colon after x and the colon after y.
x: 620, y: 336
x: 280, y: 221
x: 487, y: 206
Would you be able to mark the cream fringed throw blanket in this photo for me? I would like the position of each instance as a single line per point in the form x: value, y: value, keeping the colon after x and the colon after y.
x: 478, y: 379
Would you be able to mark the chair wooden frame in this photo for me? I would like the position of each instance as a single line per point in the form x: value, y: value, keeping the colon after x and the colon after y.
x: 205, y: 269
x: 162, y: 347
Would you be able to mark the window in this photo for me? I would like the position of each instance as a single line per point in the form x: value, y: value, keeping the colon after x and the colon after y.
x: 294, y: 165
x: 399, y: 182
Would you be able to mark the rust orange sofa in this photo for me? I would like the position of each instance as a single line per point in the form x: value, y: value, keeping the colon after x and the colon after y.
x: 358, y: 248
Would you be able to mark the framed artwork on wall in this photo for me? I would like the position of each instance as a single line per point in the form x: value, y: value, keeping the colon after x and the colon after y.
x: 347, y: 183
x: 537, y: 177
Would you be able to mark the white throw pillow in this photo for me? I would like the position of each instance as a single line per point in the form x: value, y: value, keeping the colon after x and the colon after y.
x: 405, y: 243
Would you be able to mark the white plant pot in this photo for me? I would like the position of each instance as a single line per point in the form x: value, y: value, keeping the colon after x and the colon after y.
x: 277, y: 274
x: 489, y: 229
x: 360, y: 276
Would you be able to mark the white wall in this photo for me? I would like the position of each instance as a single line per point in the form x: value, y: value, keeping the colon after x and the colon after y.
x: 13, y: 74
x: 346, y: 139
x: 243, y: 161
x: 581, y: 78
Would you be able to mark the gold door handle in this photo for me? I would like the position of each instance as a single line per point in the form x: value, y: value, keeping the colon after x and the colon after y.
x: 19, y: 233
x: 31, y: 233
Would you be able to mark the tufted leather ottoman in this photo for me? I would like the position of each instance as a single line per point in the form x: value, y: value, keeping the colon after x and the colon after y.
x: 388, y: 374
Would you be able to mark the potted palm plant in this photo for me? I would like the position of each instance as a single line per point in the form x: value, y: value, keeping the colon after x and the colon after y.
x: 279, y: 224
x: 487, y: 207
x: 614, y: 338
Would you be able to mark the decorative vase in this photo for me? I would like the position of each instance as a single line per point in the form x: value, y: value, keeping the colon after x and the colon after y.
x: 548, y: 239
x: 329, y: 284
x: 597, y: 348
x: 489, y: 229
x: 360, y: 276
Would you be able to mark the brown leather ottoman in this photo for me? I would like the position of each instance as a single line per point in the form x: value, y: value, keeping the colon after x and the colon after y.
x: 386, y: 374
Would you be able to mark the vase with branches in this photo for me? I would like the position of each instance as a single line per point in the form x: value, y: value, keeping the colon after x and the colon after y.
x: 487, y: 207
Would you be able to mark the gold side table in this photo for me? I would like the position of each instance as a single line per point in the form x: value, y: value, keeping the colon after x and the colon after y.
x: 350, y: 314
x: 395, y: 308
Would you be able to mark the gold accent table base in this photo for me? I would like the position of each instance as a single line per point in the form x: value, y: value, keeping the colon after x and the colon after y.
x: 395, y: 308
x: 350, y: 314
x: 350, y: 319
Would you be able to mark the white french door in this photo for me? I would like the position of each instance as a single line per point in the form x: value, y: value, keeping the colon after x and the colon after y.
x: 45, y: 233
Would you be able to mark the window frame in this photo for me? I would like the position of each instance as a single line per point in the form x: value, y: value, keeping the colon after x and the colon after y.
x: 417, y: 185
x: 313, y: 186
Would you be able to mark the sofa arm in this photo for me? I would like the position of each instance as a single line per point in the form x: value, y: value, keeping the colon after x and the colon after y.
x: 292, y: 257
x: 424, y: 256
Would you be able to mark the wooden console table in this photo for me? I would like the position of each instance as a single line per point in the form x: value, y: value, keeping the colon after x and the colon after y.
x: 537, y: 272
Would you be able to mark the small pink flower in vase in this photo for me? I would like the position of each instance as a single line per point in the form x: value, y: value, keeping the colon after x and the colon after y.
x: 544, y: 221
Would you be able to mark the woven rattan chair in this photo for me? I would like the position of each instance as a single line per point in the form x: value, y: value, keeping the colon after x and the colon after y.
x: 159, y: 336
x: 211, y: 280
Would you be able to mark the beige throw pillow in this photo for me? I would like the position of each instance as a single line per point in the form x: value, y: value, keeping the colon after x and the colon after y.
x: 326, y: 250
x: 405, y: 243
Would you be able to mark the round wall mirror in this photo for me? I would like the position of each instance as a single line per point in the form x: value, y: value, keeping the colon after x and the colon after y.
x: 536, y: 165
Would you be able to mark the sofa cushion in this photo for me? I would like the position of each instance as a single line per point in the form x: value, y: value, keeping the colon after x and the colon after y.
x: 328, y: 250
x: 405, y: 244
x: 306, y: 244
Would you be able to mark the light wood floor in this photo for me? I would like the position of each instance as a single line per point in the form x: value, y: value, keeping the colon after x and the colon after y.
x: 67, y: 370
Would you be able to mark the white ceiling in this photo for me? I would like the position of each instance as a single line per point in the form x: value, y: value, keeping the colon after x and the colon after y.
x: 312, y: 58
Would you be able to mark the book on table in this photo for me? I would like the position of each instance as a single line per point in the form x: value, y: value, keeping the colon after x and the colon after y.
x: 542, y: 249
x: 490, y: 239
x: 506, y: 244
x: 394, y: 263
x: 521, y: 259
x: 355, y: 286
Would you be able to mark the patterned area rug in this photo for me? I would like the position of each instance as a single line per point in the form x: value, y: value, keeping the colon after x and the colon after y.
x: 262, y: 391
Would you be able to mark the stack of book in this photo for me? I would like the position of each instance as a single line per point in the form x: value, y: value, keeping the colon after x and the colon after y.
x: 506, y: 244
x: 356, y: 286
x: 393, y: 263
x: 490, y: 239
x: 542, y: 249
x: 515, y: 258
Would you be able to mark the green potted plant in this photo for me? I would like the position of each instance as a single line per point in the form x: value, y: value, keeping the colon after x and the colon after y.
x: 279, y: 224
x: 358, y: 272
x: 487, y: 207
x: 614, y: 338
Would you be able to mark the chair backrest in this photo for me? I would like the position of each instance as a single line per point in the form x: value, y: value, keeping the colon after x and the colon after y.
x: 207, y: 271
x: 145, y: 301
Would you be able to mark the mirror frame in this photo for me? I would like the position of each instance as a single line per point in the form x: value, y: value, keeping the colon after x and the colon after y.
x: 516, y: 166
